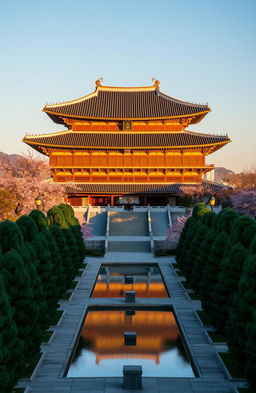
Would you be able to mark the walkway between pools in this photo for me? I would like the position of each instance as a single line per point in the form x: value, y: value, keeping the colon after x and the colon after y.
x: 49, y: 375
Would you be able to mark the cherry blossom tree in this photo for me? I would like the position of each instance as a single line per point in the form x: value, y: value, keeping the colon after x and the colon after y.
x: 173, y: 234
x: 244, y: 201
x: 22, y: 180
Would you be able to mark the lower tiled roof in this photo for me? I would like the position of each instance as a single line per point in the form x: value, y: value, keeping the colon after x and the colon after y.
x: 124, y: 139
x: 136, y: 188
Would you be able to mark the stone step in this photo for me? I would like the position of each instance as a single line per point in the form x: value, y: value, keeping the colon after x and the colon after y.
x: 120, y: 246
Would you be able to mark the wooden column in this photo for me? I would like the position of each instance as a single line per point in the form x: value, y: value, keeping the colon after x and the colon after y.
x: 145, y: 200
x: 112, y: 200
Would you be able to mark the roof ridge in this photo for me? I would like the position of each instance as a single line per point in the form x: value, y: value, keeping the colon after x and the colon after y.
x: 181, y: 101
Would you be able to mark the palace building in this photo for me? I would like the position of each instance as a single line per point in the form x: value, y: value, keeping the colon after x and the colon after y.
x: 127, y: 144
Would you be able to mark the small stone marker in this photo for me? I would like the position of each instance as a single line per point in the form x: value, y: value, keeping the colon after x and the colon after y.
x: 130, y: 338
x: 132, y: 377
x: 130, y: 296
x: 130, y: 312
x: 128, y: 279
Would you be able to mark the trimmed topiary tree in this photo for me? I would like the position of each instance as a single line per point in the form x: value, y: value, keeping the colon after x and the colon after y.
x: 242, y: 311
x: 202, y: 260
x: 68, y: 268
x: 11, y: 347
x: 55, y: 216
x: 184, y: 241
x: 45, y: 266
x: 211, y: 271
x: 10, y: 236
x: 227, y: 285
x: 243, y: 231
x: 18, y: 287
x: 40, y: 219
x: 199, y: 210
x: 224, y: 220
x: 250, y: 351
x: 75, y: 227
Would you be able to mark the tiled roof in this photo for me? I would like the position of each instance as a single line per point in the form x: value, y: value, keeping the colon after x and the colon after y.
x: 123, y: 139
x: 132, y: 188
x: 125, y: 103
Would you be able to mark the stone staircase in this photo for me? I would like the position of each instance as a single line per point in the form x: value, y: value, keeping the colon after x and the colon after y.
x: 98, y: 223
x: 128, y: 223
x: 160, y: 223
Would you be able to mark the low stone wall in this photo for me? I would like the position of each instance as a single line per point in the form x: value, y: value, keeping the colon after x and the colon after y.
x: 95, y: 244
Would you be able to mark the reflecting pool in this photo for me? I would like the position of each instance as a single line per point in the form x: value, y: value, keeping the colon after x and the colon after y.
x: 102, y: 351
x: 115, y: 280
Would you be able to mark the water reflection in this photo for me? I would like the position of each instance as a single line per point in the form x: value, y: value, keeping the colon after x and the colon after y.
x: 101, y: 351
x: 147, y: 281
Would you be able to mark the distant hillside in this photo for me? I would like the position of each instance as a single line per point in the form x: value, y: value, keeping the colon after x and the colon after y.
x: 221, y: 173
x: 9, y: 156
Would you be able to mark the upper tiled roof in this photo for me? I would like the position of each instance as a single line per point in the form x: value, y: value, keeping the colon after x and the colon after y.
x: 126, y: 103
x: 124, y: 140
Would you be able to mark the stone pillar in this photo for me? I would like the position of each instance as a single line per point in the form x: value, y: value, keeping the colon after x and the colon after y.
x: 132, y: 377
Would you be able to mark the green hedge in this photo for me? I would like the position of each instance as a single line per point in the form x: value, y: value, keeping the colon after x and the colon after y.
x: 39, y: 257
x: 217, y: 254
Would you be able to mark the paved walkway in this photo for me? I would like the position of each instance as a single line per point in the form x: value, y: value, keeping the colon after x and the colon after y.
x: 49, y: 375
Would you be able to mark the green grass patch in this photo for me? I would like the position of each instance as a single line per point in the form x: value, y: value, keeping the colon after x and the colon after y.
x: 56, y: 317
x: 216, y: 336
x: 202, y: 315
x: 164, y: 253
x: 233, y: 368
x: 29, y: 367
x: 46, y: 336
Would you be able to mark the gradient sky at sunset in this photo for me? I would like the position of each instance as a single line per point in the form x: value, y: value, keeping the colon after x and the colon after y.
x: 201, y: 51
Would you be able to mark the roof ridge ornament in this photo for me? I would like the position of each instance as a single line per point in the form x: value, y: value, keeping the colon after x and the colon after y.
x: 156, y: 82
x: 98, y: 82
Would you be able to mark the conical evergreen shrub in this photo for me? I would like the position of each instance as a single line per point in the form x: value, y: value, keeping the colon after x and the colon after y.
x: 10, y: 236
x: 184, y: 241
x: 243, y: 231
x: 28, y: 228
x: 75, y: 227
x: 225, y: 219
x: 40, y: 219
x: 195, y: 247
x: 45, y: 267
x: 55, y: 216
x: 242, y: 311
x: 58, y: 269
x: 211, y: 271
x: 199, y: 210
x: 18, y: 286
x: 68, y: 268
x: 250, y: 351
x: 46, y: 271
x: 11, y: 347
x: 202, y: 259
x: 227, y: 285
x: 57, y: 263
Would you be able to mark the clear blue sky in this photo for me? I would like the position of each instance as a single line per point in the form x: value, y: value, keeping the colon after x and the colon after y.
x: 201, y: 51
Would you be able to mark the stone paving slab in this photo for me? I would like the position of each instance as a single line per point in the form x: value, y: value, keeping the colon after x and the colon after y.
x: 49, y: 375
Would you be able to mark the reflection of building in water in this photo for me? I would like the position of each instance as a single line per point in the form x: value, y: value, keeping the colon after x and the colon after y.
x: 103, y: 331
x: 142, y: 289
x: 147, y: 282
